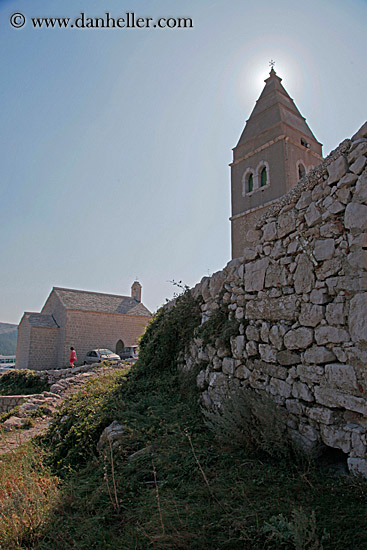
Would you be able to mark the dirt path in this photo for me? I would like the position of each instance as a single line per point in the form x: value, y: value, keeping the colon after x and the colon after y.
x: 9, y: 441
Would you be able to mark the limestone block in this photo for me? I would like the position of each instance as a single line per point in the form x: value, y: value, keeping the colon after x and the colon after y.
x: 264, y: 332
x: 335, y: 314
x: 341, y: 376
x: 255, y: 275
x: 242, y: 372
x: 318, y: 354
x: 217, y: 363
x: 310, y: 375
x: 336, y: 207
x: 273, y: 309
x: 343, y: 195
x: 321, y: 414
x: 249, y: 254
x: 228, y: 366
x: 357, y: 466
x: 269, y: 231
x: 304, y: 278
x: 333, y: 398
x: 217, y: 379
x: 347, y: 180
x: 294, y: 406
x: 304, y: 200
x: 356, y: 216
x: 360, y: 194
x: 330, y: 335
x: 276, y: 276
x: 362, y: 133
x: 308, y: 431
x: 251, y: 348
x: 200, y: 380
x: 286, y: 223
x: 336, y: 438
x: 359, y: 448
x: 301, y: 391
x: 299, y: 338
x: 337, y: 169
x: 252, y: 333
x: 313, y: 215
x: 276, y: 336
x: 238, y: 345
x: 240, y: 312
x: 268, y: 353
x: 311, y: 315
x: 331, y: 229
x: 358, y: 318
x: 324, y: 249
x: 279, y: 387
x: 358, y: 166
x: 216, y: 283
x: 319, y: 296
x: 113, y: 435
x: 258, y: 380
x: 357, y: 150
x: 278, y: 250
x: 272, y: 370
x: 358, y: 260
x: 288, y: 358
x: 203, y: 356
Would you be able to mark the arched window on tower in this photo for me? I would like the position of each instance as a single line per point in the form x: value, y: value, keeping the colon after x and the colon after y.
x: 301, y: 170
x: 263, y: 177
x: 250, y: 182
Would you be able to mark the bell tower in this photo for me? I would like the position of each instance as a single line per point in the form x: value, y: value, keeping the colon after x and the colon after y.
x: 275, y: 150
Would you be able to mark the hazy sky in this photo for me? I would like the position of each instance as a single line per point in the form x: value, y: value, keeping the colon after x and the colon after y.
x: 116, y: 142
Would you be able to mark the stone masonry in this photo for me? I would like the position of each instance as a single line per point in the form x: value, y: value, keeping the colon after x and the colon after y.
x: 299, y: 294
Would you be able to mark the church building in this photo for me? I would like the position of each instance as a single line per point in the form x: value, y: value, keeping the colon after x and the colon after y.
x: 82, y: 319
x: 275, y: 150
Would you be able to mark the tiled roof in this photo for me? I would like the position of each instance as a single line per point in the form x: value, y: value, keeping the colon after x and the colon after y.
x: 41, y: 320
x: 83, y: 300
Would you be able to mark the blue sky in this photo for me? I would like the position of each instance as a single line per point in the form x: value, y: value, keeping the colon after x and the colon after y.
x: 116, y: 142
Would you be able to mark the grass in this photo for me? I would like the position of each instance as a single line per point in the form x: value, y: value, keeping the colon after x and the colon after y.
x: 190, y: 490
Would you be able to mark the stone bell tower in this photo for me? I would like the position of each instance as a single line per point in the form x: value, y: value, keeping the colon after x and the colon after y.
x: 136, y: 291
x: 275, y: 150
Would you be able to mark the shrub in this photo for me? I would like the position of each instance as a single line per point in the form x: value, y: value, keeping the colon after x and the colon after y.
x: 168, y: 334
x: 251, y: 421
x: 219, y: 327
x: 22, y: 382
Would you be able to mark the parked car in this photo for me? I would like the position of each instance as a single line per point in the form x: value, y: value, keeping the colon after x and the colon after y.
x: 99, y: 355
x: 129, y: 353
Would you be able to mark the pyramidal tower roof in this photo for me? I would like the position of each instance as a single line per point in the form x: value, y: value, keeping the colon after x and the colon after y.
x: 274, y: 107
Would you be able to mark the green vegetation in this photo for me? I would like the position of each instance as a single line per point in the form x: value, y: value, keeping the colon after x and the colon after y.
x: 22, y: 382
x: 8, y: 339
x: 219, y: 326
x: 191, y: 488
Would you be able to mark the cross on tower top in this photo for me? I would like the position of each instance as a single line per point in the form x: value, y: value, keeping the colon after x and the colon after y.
x: 271, y: 63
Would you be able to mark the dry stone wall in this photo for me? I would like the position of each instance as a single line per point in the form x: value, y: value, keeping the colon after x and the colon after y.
x: 299, y: 294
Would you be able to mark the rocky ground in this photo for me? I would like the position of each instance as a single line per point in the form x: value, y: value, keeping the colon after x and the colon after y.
x: 35, y: 414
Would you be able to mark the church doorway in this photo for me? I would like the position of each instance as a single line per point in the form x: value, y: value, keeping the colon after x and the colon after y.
x: 119, y: 347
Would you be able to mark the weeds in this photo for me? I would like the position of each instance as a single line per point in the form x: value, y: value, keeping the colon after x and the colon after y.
x: 250, y: 421
x: 27, y: 495
x: 22, y: 382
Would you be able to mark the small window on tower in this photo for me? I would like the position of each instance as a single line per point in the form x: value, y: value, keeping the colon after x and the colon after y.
x: 263, y: 177
x: 250, y: 183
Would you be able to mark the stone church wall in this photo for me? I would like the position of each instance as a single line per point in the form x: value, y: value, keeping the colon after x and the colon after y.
x: 299, y: 294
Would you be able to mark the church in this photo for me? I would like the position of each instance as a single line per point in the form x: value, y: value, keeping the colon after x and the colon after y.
x: 275, y: 150
x: 82, y: 319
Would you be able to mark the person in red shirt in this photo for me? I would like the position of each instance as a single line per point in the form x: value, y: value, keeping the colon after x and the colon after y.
x: 72, y: 356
